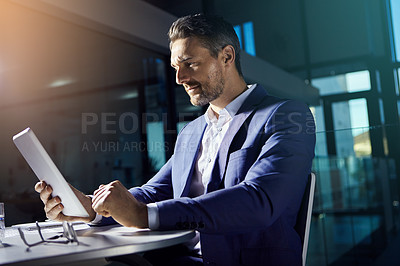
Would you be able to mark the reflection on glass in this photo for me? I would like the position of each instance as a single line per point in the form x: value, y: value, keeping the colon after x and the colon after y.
x: 156, y: 112
x: 351, y: 124
x: 339, y: 232
x: 398, y: 107
x: 156, y: 145
x: 395, y: 8
x: 350, y: 82
x: 247, y: 43
x: 349, y: 183
x: 238, y: 30
x: 320, y: 145
x: 397, y: 80
x: 248, y: 32
x: 348, y: 212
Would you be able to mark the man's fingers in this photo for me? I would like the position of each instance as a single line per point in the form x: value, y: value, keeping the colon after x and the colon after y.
x: 45, y: 194
x: 103, y: 195
x: 98, y: 201
x: 51, y: 203
x: 55, y: 213
x: 39, y: 186
x: 99, y: 190
x: 53, y: 206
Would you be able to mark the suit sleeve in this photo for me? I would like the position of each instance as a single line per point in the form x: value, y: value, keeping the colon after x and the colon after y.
x: 272, y: 187
x: 158, y: 188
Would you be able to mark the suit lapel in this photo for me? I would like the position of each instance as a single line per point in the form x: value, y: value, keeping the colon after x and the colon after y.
x: 248, y: 107
x: 188, y: 158
x: 222, y: 155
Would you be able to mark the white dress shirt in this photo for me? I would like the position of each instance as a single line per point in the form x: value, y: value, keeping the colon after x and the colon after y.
x: 212, y: 139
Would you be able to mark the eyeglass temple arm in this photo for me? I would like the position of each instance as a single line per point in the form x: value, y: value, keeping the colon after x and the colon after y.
x: 22, y: 235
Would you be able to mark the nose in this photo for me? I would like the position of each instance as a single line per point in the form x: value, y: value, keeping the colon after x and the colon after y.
x: 181, y: 76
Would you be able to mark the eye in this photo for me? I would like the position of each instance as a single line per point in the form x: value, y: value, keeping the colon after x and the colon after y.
x: 191, y: 64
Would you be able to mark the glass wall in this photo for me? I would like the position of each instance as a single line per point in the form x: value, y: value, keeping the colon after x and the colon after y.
x: 98, y: 104
x: 355, y: 209
x: 395, y: 12
x: 350, y: 120
x: 344, y: 83
x: 397, y: 81
x: 320, y: 145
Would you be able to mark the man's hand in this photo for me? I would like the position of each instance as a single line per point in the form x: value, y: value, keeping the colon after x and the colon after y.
x: 53, y: 206
x: 116, y: 201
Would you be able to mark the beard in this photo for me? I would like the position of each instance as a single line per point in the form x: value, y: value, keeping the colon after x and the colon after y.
x: 210, y: 90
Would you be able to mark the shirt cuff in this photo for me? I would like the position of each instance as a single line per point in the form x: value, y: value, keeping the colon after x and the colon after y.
x: 98, y: 217
x: 153, y: 216
x: 96, y: 220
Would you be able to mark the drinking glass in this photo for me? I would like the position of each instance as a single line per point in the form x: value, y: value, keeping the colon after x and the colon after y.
x: 2, y: 222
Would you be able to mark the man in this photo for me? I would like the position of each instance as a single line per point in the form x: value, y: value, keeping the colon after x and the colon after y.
x: 237, y: 174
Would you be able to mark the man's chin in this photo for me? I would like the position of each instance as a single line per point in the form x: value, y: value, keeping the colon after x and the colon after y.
x: 198, y: 102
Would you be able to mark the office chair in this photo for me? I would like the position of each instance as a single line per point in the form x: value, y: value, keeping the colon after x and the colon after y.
x: 304, y: 216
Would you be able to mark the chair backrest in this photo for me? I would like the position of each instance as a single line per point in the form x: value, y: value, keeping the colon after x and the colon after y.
x: 304, y: 216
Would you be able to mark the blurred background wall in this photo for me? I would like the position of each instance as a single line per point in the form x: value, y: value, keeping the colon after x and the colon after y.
x: 92, y: 79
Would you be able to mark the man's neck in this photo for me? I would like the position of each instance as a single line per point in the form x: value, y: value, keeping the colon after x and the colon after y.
x: 229, y: 94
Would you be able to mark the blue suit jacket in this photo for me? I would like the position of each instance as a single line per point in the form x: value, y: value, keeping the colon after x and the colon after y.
x: 247, y: 215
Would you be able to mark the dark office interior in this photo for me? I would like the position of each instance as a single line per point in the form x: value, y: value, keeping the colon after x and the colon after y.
x: 93, y: 79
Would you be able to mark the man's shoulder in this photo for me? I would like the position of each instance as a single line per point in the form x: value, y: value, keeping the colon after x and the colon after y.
x: 261, y: 96
x: 270, y: 102
x: 260, y: 100
x: 196, y: 125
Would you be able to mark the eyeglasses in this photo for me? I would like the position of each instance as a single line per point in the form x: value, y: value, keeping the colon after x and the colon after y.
x: 68, y: 232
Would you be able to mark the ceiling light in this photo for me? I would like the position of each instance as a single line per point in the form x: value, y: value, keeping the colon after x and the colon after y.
x: 129, y: 95
x: 61, y: 82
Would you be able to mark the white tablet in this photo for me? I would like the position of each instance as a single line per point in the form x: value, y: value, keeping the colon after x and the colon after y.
x: 45, y: 169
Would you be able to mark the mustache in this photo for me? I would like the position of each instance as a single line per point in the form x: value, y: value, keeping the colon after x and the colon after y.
x: 191, y: 84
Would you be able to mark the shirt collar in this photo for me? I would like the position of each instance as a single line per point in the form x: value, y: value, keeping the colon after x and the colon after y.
x: 232, y: 108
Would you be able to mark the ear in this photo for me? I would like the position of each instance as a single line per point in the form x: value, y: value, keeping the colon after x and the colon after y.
x: 228, y: 55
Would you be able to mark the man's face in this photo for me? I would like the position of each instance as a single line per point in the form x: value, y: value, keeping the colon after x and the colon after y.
x: 200, y: 74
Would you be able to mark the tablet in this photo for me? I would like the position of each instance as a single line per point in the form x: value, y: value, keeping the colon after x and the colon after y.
x: 45, y: 169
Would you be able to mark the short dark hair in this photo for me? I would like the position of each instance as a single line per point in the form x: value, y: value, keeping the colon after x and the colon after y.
x: 213, y: 32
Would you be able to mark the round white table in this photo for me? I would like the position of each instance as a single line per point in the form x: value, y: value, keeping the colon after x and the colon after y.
x: 94, y: 243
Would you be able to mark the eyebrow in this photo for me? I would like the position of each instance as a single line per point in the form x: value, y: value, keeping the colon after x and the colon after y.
x: 181, y: 60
